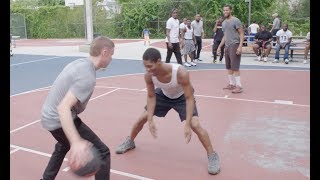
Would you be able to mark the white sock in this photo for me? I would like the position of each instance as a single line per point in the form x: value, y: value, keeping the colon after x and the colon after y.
x: 231, y: 81
x: 238, y: 83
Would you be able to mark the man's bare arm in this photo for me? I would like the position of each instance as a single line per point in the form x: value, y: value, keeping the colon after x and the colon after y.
x: 151, y: 98
x: 64, y: 111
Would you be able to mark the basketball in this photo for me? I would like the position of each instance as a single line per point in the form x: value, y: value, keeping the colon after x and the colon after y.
x: 91, y: 167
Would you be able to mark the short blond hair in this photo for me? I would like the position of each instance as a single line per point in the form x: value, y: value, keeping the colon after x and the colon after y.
x: 98, y: 44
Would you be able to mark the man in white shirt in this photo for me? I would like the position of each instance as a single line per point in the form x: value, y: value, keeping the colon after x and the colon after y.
x: 173, y: 37
x: 197, y: 26
x: 284, y: 37
x: 253, y: 30
x: 188, y: 44
x: 183, y: 25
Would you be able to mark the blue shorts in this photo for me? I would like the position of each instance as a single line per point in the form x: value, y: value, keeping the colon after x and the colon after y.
x: 164, y: 104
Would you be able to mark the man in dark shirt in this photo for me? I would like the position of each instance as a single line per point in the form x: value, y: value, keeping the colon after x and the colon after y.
x: 262, y: 40
x: 218, y: 34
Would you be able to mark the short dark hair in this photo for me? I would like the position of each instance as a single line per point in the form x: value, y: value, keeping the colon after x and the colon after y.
x: 151, y: 54
x: 228, y: 5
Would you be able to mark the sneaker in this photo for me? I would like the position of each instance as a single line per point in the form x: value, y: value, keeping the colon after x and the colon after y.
x: 230, y: 87
x: 213, y: 163
x: 275, y: 61
x: 199, y: 59
x: 286, y: 61
x: 259, y: 58
x: 187, y: 64
x: 265, y: 59
x: 193, y: 64
x: 305, y: 61
x: 127, y: 145
x: 236, y: 90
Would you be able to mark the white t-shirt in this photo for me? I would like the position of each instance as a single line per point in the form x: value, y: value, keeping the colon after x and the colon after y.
x: 254, y: 28
x: 173, y: 25
x: 188, y: 34
x: 182, y: 26
x: 284, y: 35
x: 308, y: 36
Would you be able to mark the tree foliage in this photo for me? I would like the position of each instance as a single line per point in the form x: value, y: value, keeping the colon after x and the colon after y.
x: 51, y: 19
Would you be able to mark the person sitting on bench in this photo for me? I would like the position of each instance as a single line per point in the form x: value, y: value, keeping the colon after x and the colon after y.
x: 262, y: 40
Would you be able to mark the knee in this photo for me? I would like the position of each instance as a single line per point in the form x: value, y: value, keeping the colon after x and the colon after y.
x: 104, y: 151
x: 195, y: 125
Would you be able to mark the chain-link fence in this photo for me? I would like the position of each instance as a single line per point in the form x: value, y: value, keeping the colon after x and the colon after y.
x: 18, y: 25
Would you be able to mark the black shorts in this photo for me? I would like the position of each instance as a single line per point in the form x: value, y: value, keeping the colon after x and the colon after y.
x: 164, y: 104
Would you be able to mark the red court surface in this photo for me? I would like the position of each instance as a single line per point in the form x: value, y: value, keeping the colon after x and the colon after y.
x: 262, y: 133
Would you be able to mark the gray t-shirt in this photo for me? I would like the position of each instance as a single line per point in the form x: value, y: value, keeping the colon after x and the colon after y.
x: 79, y: 77
x: 229, y: 28
x: 276, y: 23
x: 198, y: 27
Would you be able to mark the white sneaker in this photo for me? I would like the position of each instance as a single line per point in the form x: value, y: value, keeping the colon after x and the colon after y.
x: 275, y: 61
x: 305, y: 61
x: 265, y: 59
x: 259, y: 58
x: 286, y: 61
x: 193, y: 64
x: 187, y: 64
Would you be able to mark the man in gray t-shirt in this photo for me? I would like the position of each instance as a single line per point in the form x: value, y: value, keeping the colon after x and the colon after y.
x: 67, y: 98
x: 233, y: 41
x: 275, y: 25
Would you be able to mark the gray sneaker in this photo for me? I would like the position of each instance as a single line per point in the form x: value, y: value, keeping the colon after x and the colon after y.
x: 214, y: 163
x: 127, y: 145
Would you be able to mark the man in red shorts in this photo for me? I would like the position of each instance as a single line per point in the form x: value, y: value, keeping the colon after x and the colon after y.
x: 262, y: 40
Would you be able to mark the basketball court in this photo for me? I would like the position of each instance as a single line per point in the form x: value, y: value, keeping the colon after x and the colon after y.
x: 262, y: 133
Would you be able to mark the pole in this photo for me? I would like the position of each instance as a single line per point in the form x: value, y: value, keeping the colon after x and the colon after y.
x: 89, y: 21
x: 249, y: 4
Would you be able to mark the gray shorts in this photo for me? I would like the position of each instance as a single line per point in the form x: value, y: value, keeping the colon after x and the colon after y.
x: 231, y: 58
x: 188, y: 47
x: 164, y: 104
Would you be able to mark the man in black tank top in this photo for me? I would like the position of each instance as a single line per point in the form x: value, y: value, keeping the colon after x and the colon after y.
x: 174, y: 93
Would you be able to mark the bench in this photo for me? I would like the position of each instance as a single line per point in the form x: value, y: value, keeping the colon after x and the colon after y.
x: 293, y: 46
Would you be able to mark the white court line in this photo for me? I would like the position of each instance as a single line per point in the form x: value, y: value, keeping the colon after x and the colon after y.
x: 15, y: 150
x: 283, y: 102
x: 217, y: 97
x: 250, y: 100
x: 104, y: 94
x: 67, y: 168
x: 33, y: 151
x: 45, y: 59
x: 32, y: 91
x: 22, y: 127
x: 17, y: 129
